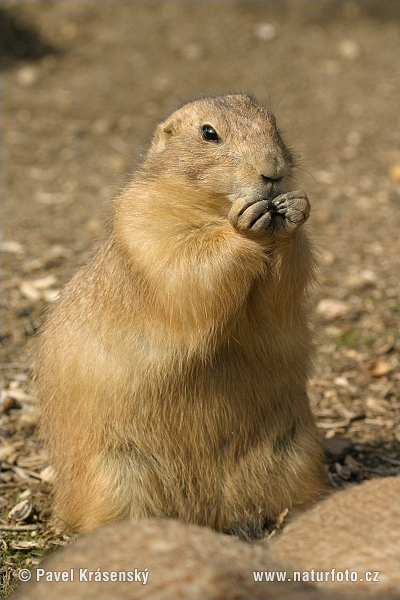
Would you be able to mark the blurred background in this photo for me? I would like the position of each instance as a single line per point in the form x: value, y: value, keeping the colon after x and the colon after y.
x: 84, y: 83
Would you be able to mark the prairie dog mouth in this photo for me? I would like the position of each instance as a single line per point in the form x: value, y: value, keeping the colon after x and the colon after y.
x: 268, y: 190
x: 272, y: 188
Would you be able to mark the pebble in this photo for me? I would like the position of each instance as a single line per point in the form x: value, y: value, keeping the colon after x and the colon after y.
x: 47, y: 475
x: 192, y: 51
x: 380, y: 368
x: 12, y: 246
x: 49, y: 198
x: 161, y: 83
x: 332, y: 309
x: 28, y: 291
x: 27, y: 76
x: 349, y: 49
x: 364, y: 279
x: 337, y: 446
x: 38, y: 288
x: 326, y: 177
x: 265, y: 32
x: 25, y: 494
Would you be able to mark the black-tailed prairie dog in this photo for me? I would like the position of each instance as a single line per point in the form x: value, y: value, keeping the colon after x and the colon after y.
x: 172, y: 372
x: 172, y: 561
x: 356, y: 529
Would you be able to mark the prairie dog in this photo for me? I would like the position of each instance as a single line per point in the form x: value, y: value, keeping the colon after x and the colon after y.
x: 356, y: 529
x: 172, y: 372
x: 182, y: 561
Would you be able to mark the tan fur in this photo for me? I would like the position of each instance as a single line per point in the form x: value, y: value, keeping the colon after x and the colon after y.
x: 183, y: 561
x: 356, y: 529
x: 172, y: 372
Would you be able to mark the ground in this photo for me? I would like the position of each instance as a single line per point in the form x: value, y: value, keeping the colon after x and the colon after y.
x: 84, y: 84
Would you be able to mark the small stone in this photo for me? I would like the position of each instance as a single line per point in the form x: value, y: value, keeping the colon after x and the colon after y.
x: 337, y: 446
x: 265, y: 32
x: 69, y: 30
x: 192, y: 51
x: 331, y: 309
x: 48, y: 198
x: 343, y: 471
x: 354, y: 138
x: 29, y: 291
x: 161, y: 83
x: 51, y: 295
x: 349, y: 49
x: 101, y: 126
x: 363, y: 279
x: 47, y: 475
x: 326, y: 177
x: 27, y: 76
x: 16, y: 393
x: 25, y: 494
x: 12, y: 246
x: 327, y: 257
x: 44, y: 282
x: 380, y: 368
x: 341, y: 382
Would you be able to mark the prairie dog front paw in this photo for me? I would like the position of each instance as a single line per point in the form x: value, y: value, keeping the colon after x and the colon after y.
x: 251, y: 215
x: 294, y: 207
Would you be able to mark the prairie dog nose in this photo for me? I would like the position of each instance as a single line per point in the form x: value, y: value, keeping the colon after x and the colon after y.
x: 274, y: 166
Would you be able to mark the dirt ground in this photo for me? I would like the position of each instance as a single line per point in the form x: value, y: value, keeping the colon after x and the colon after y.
x: 83, y: 85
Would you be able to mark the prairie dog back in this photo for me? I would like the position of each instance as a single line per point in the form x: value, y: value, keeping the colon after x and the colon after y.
x: 182, y: 561
x: 355, y: 529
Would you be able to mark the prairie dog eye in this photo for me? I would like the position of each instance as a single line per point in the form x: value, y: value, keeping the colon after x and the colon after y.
x: 209, y: 134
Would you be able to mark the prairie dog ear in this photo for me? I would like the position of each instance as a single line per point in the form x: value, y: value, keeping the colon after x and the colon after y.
x: 164, y: 132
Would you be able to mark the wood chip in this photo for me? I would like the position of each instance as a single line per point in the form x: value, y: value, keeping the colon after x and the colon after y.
x: 18, y: 527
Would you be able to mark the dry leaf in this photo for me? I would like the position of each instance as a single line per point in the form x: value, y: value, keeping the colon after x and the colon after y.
x: 380, y: 368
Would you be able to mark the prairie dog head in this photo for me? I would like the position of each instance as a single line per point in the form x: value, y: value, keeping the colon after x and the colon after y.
x: 225, y: 146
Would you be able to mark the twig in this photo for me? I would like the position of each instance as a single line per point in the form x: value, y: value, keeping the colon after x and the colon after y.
x: 18, y: 527
x: 391, y: 461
